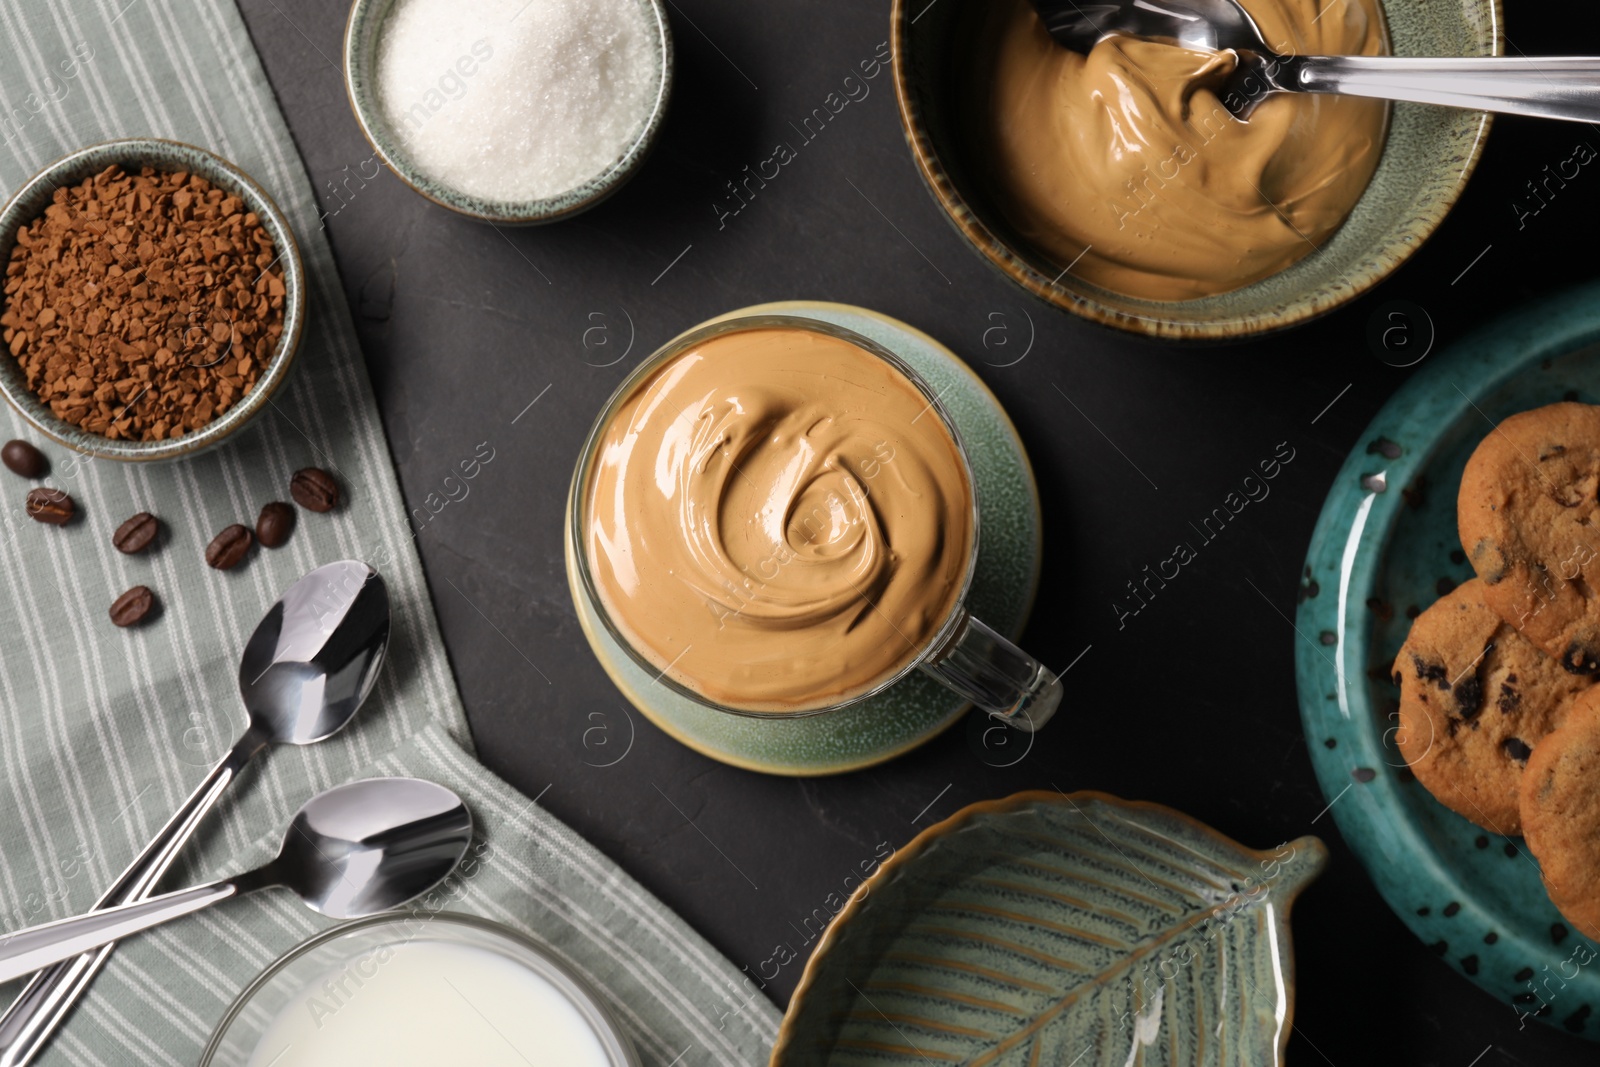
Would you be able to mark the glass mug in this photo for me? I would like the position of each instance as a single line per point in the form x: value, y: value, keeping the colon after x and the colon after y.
x: 962, y: 653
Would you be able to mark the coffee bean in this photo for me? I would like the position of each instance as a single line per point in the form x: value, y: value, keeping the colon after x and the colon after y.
x: 314, y: 489
x: 131, y: 607
x: 23, y: 459
x: 275, y: 524
x: 51, y: 505
x: 137, y: 533
x: 228, y: 547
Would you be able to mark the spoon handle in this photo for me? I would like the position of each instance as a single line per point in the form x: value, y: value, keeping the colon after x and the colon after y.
x: 1551, y: 87
x: 27, y: 1025
x: 28, y: 950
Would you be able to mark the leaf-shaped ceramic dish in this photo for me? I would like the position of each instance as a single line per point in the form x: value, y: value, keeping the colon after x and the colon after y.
x: 1051, y: 928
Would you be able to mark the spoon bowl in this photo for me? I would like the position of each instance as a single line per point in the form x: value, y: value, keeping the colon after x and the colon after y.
x: 369, y: 846
x: 314, y: 657
x: 353, y: 850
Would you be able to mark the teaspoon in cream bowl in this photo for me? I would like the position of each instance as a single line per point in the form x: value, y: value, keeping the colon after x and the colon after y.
x: 1552, y: 87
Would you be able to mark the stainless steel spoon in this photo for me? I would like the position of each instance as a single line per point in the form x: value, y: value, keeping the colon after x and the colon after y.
x: 1552, y: 87
x: 354, y: 850
x: 306, y: 670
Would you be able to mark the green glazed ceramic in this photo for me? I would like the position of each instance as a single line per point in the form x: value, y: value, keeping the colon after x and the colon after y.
x: 916, y: 708
x: 361, y: 37
x: 1385, y: 539
x: 1053, y: 928
x: 30, y: 201
x: 1426, y: 161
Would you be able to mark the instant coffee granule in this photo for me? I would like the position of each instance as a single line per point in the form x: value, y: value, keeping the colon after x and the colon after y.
x: 142, y: 306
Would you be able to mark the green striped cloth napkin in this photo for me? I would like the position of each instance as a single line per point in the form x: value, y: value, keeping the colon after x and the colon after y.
x: 104, y: 731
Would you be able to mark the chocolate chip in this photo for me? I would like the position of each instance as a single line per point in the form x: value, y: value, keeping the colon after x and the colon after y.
x: 1509, y: 699
x: 1517, y: 749
x: 22, y: 458
x: 228, y: 547
x: 274, y: 524
x: 137, y: 533
x: 1431, y: 672
x: 51, y: 505
x: 1469, y: 698
x: 314, y: 489
x: 131, y: 607
x: 1579, y: 660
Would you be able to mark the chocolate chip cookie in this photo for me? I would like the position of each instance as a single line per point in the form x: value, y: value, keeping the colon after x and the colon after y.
x: 1529, y: 518
x: 1476, y: 699
x: 1561, y: 813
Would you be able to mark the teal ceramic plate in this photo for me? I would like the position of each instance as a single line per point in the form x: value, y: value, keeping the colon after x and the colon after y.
x: 1385, y: 539
x: 917, y: 708
x: 1049, y: 928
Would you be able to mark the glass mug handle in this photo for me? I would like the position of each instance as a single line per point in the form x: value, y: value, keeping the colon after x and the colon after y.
x: 996, y: 675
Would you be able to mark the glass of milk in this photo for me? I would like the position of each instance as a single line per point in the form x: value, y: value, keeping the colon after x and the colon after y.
x: 424, y: 989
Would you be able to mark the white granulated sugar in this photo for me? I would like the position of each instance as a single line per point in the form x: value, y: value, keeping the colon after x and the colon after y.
x: 517, y: 99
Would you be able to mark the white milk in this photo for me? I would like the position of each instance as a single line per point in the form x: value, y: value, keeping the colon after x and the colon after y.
x: 427, y: 1003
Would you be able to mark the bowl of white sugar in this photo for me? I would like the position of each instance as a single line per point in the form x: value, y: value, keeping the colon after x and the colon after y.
x: 510, y: 111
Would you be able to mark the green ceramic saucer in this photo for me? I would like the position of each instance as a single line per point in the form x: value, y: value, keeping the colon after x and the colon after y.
x: 1385, y: 540
x: 1062, y: 929
x: 917, y: 708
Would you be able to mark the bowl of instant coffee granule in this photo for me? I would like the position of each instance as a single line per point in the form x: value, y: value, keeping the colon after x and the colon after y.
x: 152, y: 303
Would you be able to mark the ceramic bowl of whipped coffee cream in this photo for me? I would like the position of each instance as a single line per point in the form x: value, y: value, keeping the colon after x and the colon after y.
x: 510, y: 111
x: 1118, y: 186
x: 775, y: 517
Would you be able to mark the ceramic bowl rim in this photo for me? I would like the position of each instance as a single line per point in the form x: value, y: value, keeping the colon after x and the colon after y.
x: 85, y: 162
x: 1396, y: 249
x: 809, y: 975
x: 629, y: 1054
x: 535, y: 212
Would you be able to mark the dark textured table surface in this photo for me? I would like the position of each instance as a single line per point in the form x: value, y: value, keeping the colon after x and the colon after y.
x: 1191, y: 704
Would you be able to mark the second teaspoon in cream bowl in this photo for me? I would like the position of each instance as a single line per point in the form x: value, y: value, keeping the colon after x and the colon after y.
x: 351, y: 851
x: 1552, y: 87
x: 305, y: 672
